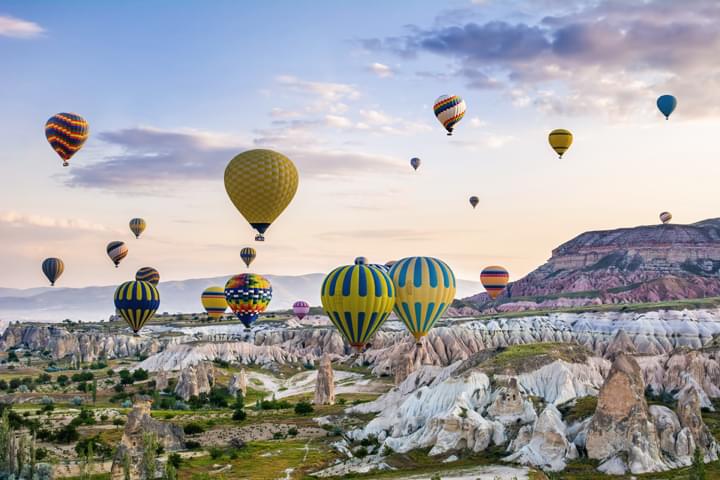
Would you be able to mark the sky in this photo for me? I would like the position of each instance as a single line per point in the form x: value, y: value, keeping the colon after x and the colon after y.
x: 174, y: 89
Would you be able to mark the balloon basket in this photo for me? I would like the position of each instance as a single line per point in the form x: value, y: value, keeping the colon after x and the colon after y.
x: 66, y: 164
x: 259, y: 238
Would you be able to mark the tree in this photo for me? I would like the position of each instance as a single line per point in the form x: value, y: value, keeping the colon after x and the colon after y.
x: 170, y: 472
x: 5, y: 433
x: 12, y: 357
x: 149, y: 457
x: 697, y: 470
x: 303, y: 407
x: 94, y: 391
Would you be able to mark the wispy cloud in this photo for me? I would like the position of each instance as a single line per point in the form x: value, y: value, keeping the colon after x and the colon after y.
x: 608, y: 55
x: 18, y: 28
x: 16, y: 219
x: 381, y: 70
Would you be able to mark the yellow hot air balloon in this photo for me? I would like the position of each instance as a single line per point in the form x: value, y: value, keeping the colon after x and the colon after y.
x: 261, y: 184
x: 214, y: 302
x: 560, y: 140
x: 424, y: 289
x: 358, y: 299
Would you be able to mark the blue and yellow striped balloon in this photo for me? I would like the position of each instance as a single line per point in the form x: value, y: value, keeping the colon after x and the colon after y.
x: 136, y: 302
x: 247, y: 255
x: 53, y: 268
x: 66, y: 133
x: 358, y: 299
x: 137, y: 226
x: 424, y: 288
x: 148, y: 274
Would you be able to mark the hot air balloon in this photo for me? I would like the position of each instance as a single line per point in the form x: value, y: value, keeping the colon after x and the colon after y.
x: 665, y: 217
x: 449, y: 110
x: 66, y: 133
x: 301, y: 308
x: 361, y: 260
x: 137, y: 302
x: 248, y: 254
x: 474, y: 201
x: 424, y: 289
x: 148, y: 274
x: 53, y: 268
x: 261, y: 184
x: 137, y: 225
x: 560, y: 140
x: 248, y: 295
x: 494, y: 279
x: 379, y: 266
x: 358, y: 299
x: 117, y: 251
x: 415, y: 163
x: 666, y: 104
x: 214, y: 302
x: 390, y: 263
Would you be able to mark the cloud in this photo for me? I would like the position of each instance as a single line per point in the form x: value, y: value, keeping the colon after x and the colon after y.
x: 16, y: 28
x: 381, y: 70
x: 327, y: 90
x: 16, y: 219
x: 616, y: 55
x: 161, y: 162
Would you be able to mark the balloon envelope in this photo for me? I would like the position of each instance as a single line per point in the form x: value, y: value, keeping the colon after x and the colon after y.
x: 261, y: 184
x: 53, y: 268
x: 148, y: 274
x: 415, y: 163
x: 301, y: 308
x: 214, y: 302
x: 137, y: 226
x: 137, y: 302
x: 358, y: 299
x: 424, y: 289
x: 560, y: 140
x: 248, y: 295
x: 665, y: 217
x: 66, y: 133
x: 247, y: 255
x: 494, y: 278
x: 117, y: 251
x: 474, y: 201
x: 666, y: 104
x: 449, y: 110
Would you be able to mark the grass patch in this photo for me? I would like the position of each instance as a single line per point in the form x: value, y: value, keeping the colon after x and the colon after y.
x: 582, y: 409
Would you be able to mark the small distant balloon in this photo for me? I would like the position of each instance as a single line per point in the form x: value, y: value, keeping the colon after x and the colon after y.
x: 415, y: 163
x: 148, y: 274
x: 361, y: 261
x: 66, y: 133
x: 117, y: 251
x: 560, y: 140
x: 301, y: 308
x: 666, y: 104
x: 494, y: 278
x: 474, y: 201
x: 665, y: 217
x: 53, y: 268
x: 449, y: 110
x: 137, y: 226
x: 247, y: 255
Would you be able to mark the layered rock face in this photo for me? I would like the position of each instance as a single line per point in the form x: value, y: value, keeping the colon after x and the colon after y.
x: 325, y: 383
x: 238, y: 383
x: 195, y: 380
x: 641, y: 264
x: 130, y: 449
x: 622, y: 424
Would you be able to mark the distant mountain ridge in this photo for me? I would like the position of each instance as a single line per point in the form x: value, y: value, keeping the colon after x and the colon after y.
x: 96, y: 303
x: 628, y: 265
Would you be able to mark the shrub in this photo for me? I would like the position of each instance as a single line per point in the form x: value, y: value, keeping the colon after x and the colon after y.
x: 215, y: 452
x: 67, y: 434
x: 361, y: 452
x: 239, y: 415
x: 77, y: 401
x: 303, y: 408
x: 292, y: 431
x: 62, y: 380
x: 192, y: 445
x: 175, y: 460
x: 278, y: 436
x: 193, y: 429
x: 140, y: 375
x: 82, y: 377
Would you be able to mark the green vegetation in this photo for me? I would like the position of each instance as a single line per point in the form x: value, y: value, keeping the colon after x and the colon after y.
x: 580, y: 409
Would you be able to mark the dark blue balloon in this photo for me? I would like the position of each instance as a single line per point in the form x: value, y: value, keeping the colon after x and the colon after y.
x: 666, y: 104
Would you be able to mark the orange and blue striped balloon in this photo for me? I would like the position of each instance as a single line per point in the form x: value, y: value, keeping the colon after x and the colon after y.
x: 66, y: 133
x: 148, y: 274
x: 494, y: 278
x: 248, y: 295
x: 53, y: 268
x: 136, y: 302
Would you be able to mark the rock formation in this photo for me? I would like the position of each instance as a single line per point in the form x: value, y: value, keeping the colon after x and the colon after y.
x: 690, y: 418
x: 161, y: 380
x: 195, y: 380
x: 139, y: 422
x: 404, y: 367
x: 238, y: 383
x: 510, y: 407
x: 622, y: 426
x: 620, y: 344
x: 325, y: 383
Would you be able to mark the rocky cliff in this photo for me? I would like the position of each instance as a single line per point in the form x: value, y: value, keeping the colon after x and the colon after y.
x: 627, y: 265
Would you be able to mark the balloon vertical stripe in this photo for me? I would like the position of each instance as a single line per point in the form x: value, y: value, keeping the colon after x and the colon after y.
x: 53, y: 268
